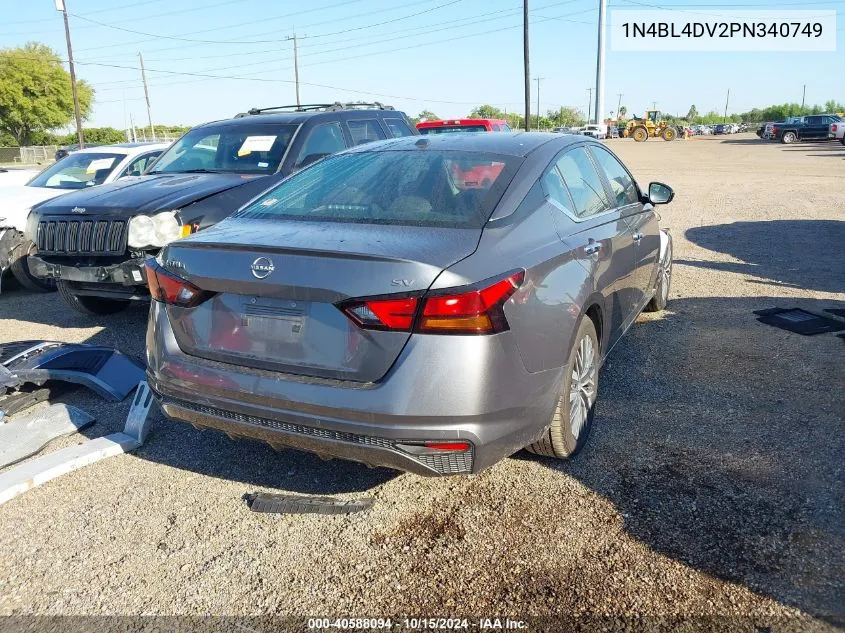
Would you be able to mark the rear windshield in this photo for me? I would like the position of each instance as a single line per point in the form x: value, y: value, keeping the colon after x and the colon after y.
x: 452, y: 128
x: 77, y: 171
x: 250, y: 148
x: 419, y: 188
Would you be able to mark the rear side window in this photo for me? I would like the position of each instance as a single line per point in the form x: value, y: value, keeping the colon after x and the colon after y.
x: 555, y: 189
x: 583, y: 182
x: 430, y: 188
x: 398, y: 127
x: 505, y: 127
x: 365, y: 131
x: 620, y: 180
x: 322, y: 140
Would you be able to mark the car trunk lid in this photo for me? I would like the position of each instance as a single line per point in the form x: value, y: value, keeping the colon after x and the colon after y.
x: 277, y: 286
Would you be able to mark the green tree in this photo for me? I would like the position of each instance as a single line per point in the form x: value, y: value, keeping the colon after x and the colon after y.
x: 95, y: 135
x: 486, y: 112
x: 35, y: 92
x: 692, y: 114
x: 427, y: 115
x: 622, y: 112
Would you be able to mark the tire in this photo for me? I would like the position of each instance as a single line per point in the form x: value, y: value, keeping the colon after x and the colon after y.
x: 788, y: 137
x: 661, y: 287
x: 564, y: 439
x: 669, y: 134
x: 842, y: 140
x: 20, y: 270
x: 640, y: 134
x: 90, y: 305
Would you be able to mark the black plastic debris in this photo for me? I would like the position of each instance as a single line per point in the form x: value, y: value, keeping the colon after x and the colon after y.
x: 798, y: 321
x: 291, y: 504
x: 106, y: 371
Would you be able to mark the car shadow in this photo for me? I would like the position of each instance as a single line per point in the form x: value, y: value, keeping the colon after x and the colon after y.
x: 777, y: 250
x: 720, y: 439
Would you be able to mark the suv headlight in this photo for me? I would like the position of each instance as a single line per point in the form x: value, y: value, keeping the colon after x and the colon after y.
x: 153, y: 230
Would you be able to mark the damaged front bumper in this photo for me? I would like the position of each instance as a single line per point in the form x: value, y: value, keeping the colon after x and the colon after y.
x: 127, y: 275
x: 10, y: 239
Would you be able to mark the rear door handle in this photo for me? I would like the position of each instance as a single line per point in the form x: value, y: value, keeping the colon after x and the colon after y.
x: 592, y: 248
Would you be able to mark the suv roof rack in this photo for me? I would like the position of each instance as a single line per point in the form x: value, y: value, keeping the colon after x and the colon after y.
x: 317, y: 107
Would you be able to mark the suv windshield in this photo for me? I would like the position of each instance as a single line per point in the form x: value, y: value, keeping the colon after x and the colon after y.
x: 78, y: 171
x: 250, y: 147
x: 431, y: 188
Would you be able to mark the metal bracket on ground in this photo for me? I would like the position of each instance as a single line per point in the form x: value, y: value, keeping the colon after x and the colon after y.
x: 42, y: 469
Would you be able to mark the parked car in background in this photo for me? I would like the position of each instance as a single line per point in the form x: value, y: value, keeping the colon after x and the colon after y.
x: 562, y: 130
x: 70, y: 149
x: 598, y: 131
x: 813, y: 127
x: 613, y: 131
x: 463, y: 125
x: 373, y: 308
x: 721, y: 129
x: 83, y: 169
x: 202, y: 178
x: 837, y: 131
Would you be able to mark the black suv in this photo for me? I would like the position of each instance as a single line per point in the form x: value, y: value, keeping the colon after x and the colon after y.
x: 94, y: 243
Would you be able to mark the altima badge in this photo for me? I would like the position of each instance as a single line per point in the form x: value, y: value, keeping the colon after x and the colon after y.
x: 262, y: 267
x: 78, y: 210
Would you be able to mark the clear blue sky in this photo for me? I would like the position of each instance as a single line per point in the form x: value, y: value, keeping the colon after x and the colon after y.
x: 441, y: 55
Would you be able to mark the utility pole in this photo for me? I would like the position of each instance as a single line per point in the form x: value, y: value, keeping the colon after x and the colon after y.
x: 654, y: 105
x: 295, y: 66
x: 147, y: 96
x: 618, y: 105
x: 600, y: 63
x: 132, y: 127
x: 538, y: 80
x: 60, y: 6
x: 727, y: 99
x: 589, y: 104
x: 527, y: 65
x: 803, y: 96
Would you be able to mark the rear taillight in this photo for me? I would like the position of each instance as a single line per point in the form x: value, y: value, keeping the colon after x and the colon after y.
x: 833, y: 127
x: 173, y: 290
x: 476, y: 310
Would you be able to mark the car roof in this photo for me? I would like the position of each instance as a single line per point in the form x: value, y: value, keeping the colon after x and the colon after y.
x: 128, y: 148
x: 505, y: 143
x: 295, y: 118
x: 445, y: 122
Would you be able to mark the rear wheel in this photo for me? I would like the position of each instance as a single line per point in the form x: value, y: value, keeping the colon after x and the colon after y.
x: 669, y: 134
x: 20, y: 270
x: 664, y: 279
x: 90, y: 305
x: 640, y: 134
x: 573, y: 415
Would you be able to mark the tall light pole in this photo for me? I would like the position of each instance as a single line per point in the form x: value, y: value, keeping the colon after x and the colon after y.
x: 727, y: 99
x: 295, y: 66
x: 589, y: 104
x: 803, y: 96
x: 60, y: 6
x: 527, y: 65
x: 147, y: 96
x: 618, y: 105
x: 600, y: 63
x: 538, y: 80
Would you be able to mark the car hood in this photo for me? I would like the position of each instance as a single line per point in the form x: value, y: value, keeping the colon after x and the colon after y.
x: 15, y: 202
x: 144, y: 194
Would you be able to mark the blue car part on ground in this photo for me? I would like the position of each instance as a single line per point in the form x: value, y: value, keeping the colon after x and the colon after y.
x: 106, y: 371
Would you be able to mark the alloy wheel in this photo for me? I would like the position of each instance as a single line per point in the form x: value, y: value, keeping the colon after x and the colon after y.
x: 582, y: 386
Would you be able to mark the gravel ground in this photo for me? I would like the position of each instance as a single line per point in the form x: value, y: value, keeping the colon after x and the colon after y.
x: 712, y: 486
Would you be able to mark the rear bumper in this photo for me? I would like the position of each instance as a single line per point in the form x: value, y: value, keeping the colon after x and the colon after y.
x: 126, y: 278
x: 482, y: 395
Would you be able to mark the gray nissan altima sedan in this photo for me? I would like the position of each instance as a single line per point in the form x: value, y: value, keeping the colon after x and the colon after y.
x: 428, y: 304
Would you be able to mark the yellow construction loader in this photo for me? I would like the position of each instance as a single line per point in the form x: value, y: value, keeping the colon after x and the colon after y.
x: 650, y: 125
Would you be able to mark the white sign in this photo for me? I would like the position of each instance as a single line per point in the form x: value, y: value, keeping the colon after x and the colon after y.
x: 704, y: 30
x: 98, y: 164
x: 60, y: 5
x: 256, y: 144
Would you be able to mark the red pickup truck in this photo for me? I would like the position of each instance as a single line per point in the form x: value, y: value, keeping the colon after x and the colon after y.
x: 463, y: 125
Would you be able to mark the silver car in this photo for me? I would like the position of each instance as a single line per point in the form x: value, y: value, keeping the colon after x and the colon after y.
x: 428, y: 304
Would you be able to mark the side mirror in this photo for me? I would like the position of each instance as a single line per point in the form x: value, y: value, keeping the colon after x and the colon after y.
x: 658, y: 193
